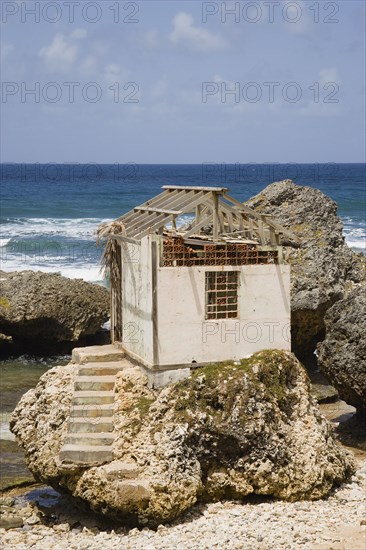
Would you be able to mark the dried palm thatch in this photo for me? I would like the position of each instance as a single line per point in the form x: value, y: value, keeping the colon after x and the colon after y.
x: 111, y: 257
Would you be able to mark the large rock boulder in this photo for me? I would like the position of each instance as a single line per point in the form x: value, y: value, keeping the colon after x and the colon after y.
x: 342, y: 355
x: 228, y: 431
x: 39, y: 307
x: 323, y: 267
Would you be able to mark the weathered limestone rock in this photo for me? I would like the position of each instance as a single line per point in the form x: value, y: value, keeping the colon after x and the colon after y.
x: 342, y: 355
x: 228, y: 431
x: 4, y: 339
x: 323, y: 268
x: 44, y: 419
x: 41, y: 307
x: 11, y: 522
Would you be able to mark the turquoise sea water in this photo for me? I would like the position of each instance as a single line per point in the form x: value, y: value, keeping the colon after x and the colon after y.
x: 49, y: 213
x: 17, y: 375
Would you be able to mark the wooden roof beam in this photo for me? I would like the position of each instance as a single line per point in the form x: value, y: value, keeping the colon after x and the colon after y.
x: 235, y: 216
x: 152, y: 219
x: 187, y: 201
x: 197, y: 227
x: 200, y: 199
x: 137, y: 220
x: 219, y: 190
x: 155, y: 201
x: 253, y: 213
x: 216, y: 220
x: 153, y: 227
x: 158, y: 210
x: 162, y: 200
x: 140, y: 219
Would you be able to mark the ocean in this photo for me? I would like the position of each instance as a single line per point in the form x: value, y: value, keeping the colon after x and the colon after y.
x: 50, y: 212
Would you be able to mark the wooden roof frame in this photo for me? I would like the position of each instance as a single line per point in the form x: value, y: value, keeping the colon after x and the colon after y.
x: 229, y: 218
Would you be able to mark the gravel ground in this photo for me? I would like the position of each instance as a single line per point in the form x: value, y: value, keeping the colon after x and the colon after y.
x: 337, y: 523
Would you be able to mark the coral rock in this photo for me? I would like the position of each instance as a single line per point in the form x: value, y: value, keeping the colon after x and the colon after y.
x: 323, y: 268
x: 46, y: 307
x: 228, y: 431
x: 342, y: 355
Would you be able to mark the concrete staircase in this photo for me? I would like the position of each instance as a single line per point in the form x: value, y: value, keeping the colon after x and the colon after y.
x: 90, y: 431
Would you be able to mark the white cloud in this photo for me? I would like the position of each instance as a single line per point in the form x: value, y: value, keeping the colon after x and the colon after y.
x: 328, y: 75
x: 195, y: 38
x: 63, y: 51
x: 114, y: 73
x: 296, y: 17
x: 89, y: 66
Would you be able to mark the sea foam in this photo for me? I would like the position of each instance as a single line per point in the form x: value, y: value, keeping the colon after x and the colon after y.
x: 67, y: 245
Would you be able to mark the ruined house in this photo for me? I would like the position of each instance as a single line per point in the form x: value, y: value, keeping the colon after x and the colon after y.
x: 196, y: 277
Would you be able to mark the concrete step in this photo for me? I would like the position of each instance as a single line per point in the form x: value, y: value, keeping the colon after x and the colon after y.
x: 90, y: 439
x: 77, y: 425
x: 92, y: 411
x: 94, y: 383
x: 92, y: 354
x: 82, y: 454
x: 92, y: 397
x: 102, y: 369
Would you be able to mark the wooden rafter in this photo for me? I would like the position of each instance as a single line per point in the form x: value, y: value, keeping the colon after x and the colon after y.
x: 209, y: 206
x: 197, y: 227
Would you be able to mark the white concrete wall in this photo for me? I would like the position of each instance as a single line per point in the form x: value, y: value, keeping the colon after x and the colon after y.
x: 264, y: 315
x: 137, y: 300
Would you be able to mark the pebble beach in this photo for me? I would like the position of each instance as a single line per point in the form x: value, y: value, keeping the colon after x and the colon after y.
x: 336, y: 523
x: 38, y: 517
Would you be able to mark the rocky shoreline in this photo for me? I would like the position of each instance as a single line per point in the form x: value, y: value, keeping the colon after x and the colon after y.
x: 47, y: 520
x: 228, y: 431
x: 337, y: 523
x: 47, y: 314
x: 327, y: 281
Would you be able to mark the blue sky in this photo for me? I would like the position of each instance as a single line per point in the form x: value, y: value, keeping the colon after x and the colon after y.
x: 149, y: 82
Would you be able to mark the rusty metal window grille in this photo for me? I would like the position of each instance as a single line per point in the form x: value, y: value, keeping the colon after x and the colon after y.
x: 221, y: 294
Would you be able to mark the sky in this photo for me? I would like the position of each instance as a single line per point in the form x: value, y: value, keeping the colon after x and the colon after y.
x: 182, y: 81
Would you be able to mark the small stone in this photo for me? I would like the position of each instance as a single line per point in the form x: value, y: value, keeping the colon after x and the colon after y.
x: 33, y: 520
x: 62, y: 527
x: 119, y: 469
x: 7, y: 501
x: 6, y: 509
x: 11, y: 522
